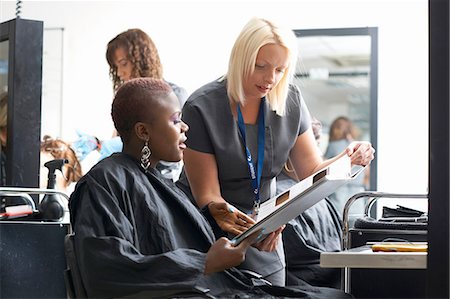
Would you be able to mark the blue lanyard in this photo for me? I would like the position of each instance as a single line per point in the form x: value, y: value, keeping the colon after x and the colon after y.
x: 256, y: 179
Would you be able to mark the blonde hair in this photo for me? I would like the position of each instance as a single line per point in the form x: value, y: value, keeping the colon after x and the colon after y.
x: 257, y: 33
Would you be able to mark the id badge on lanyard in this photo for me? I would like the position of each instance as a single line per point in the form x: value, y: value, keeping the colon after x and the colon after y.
x: 255, y: 174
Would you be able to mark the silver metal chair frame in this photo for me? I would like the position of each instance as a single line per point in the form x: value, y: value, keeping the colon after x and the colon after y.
x: 373, y: 196
x: 25, y: 192
x: 8, y: 191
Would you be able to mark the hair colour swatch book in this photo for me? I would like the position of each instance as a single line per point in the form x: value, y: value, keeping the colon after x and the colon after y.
x: 282, y: 208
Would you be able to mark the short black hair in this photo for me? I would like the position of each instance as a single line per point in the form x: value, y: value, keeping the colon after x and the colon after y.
x: 133, y: 100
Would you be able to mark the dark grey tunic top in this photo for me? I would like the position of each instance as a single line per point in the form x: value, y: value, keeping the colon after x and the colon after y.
x: 214, y: 130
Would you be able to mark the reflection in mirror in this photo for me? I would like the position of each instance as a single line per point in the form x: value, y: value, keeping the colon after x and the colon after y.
x: 3, y: 108
x: 4, y: 66
x: 3, y: 134
x: 335, y: 75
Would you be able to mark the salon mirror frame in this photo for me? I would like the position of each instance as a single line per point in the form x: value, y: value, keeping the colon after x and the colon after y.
x: 25, y: 40
x: 372, y: 33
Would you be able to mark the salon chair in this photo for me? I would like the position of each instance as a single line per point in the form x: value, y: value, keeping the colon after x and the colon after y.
x: 76, y: 289
x: 72, y: 276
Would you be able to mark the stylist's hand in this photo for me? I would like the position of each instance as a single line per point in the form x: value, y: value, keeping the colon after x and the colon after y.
x: 269, y: 243
x: 230, y: 219
x: 223, y: 255
x: 360, y: 152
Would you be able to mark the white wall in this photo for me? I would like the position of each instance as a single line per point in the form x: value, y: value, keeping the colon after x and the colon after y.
x: 194, y: 39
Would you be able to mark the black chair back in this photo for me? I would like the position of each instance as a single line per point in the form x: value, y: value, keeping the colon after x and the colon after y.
x: 72, y: 275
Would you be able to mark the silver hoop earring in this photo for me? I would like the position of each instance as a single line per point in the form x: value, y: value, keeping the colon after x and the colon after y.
x: 145, y: 156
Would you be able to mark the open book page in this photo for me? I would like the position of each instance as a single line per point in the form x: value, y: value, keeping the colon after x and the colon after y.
x: 280, y: 209
x: 341, y: 168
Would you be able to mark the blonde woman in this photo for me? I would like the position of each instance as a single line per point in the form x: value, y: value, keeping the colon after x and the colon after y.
x: 244, y: 127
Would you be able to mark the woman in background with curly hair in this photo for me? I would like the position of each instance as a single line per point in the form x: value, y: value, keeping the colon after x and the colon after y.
x: 132, y: 54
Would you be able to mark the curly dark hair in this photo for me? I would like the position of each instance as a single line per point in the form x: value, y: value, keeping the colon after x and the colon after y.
x: 142, y: 53
x: 132, y: 100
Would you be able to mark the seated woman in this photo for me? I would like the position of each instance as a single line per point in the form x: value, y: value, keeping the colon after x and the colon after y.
x: 136, y: 233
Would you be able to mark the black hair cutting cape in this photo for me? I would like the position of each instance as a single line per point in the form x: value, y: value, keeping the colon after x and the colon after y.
x: 137, y: 234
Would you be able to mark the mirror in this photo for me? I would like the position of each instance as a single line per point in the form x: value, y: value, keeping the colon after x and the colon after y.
x: 21, y: 73
x: 337, y: 74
